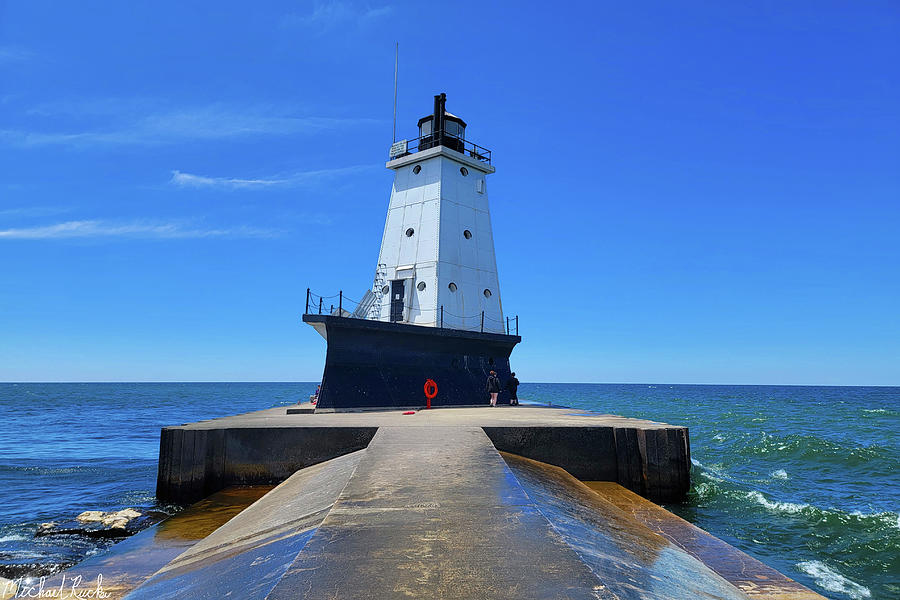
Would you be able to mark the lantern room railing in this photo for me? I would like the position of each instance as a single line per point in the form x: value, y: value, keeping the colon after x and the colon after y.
x: 448, y: 140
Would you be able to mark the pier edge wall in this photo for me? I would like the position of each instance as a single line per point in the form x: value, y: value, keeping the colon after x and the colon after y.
x: 197, y: 462
x: 194, y: 463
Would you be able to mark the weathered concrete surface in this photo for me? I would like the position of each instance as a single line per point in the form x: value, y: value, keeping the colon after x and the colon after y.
x: 248, y: 555
x: 606, y: 522
x: 754, y: 578
x: 195, y: 462
x: 630, y: 560
x: 305, y: 408
x: 650, y: 458
x: 434, y: 513
x: 135, y: 559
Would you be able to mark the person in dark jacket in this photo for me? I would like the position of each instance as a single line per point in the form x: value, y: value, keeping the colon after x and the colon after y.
x: 493, y: 387
x: 512, y: 385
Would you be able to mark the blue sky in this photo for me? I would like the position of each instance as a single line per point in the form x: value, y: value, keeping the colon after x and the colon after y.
x: 700, y: 193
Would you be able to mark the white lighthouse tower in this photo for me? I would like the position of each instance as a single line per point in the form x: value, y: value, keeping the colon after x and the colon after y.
x: 437, y: 266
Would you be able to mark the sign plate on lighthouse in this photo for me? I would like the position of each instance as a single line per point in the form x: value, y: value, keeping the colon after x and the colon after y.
x: 399, y: 148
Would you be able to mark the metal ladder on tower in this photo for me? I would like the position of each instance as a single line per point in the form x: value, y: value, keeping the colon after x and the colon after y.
x: 380, y: 275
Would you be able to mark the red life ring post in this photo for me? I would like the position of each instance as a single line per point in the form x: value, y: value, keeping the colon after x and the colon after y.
x: 431, y: 390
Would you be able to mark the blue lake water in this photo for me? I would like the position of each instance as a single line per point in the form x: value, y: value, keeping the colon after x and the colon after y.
x: 805, y: 479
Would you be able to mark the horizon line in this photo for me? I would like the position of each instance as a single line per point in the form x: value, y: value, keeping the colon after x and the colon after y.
x: 649, y: 383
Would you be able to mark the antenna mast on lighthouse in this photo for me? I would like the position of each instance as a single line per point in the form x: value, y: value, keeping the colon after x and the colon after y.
x: 396, y: 64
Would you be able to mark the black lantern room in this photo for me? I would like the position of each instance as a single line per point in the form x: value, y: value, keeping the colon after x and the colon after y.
x: 441, y: 128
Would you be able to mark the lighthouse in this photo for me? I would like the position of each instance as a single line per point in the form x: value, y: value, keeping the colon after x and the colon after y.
x: 434, y: 309
x: 437, y: 258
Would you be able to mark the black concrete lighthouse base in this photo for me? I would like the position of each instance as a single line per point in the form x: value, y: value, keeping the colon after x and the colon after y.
x: 374, y: 364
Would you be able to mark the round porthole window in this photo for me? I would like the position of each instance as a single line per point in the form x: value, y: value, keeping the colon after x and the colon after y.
x: 487, y: 293
x: 464, y: 171
x: 410, y: 232
x: 452, y: 286
x: 385, y: 290
x: 417, y: 169
x: 421, y: 286
x: 467, y: 234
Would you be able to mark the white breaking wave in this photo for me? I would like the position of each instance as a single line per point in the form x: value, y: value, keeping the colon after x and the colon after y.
x: 13, y: 538
x: 890, y: 518
x: 790, y: 508
x: 831, y: 580
x: 713, y: 472
x: 706, y: 490
x: 24, y: 555
x: 779, y: 474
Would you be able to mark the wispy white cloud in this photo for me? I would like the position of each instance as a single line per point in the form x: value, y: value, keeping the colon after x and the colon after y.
x: 188, y: 180
x: 182, y: 179
x: 99, y: 229
x: 133, y: 126
x: 326, y: 15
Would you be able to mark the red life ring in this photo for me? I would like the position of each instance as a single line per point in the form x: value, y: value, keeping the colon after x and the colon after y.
x: 430, y: 389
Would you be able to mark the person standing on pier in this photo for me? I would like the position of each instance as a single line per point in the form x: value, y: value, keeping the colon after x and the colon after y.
x: 493, y: 387
x: 512, y: 384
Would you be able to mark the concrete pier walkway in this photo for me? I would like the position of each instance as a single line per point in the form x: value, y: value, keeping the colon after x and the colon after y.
x: 435, y: 511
